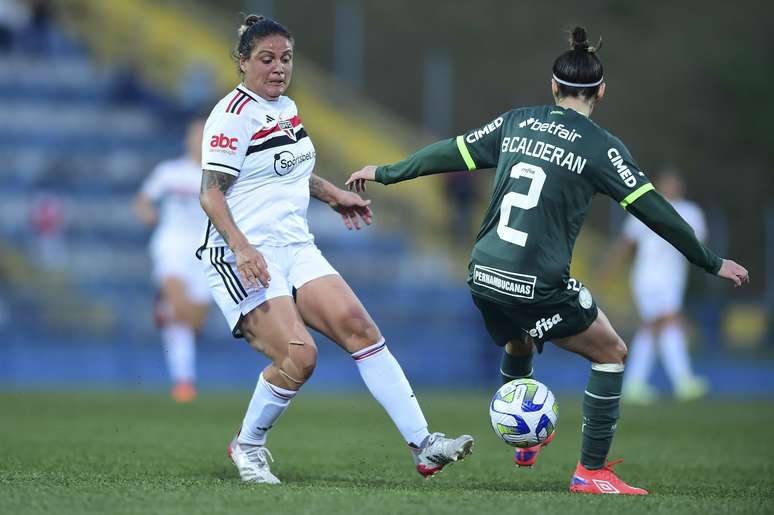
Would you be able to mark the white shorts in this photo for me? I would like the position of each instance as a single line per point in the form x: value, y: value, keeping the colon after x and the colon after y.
x: 656, y: 301
x: 290, y: 267
x: 173, y: 258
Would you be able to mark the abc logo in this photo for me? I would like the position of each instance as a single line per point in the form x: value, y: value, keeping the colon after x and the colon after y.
x: 223, y: 141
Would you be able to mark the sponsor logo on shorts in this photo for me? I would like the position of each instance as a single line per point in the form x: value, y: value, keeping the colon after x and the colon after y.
x: 544, y: 325
x: 584, y: 297
x: 508, y: 283
x: 286, y: 161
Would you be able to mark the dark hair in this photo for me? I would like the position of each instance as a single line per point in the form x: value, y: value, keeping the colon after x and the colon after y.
x: 579, y: 65
x: 254, y: 28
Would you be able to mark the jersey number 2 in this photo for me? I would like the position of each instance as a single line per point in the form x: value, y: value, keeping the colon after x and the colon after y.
x: 536, y: 177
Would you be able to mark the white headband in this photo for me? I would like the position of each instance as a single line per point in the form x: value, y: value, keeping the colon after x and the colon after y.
x: 577, y: 85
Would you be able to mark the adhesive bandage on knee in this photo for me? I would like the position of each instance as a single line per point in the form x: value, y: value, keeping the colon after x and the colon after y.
x: 288, y: 362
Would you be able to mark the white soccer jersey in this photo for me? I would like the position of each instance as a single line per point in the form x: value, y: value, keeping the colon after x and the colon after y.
x: 657, y: 264
x: 263, y: 143
x: 174, y: 185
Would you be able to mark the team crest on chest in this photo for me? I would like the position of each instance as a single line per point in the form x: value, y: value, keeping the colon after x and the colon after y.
x: 287, y: 128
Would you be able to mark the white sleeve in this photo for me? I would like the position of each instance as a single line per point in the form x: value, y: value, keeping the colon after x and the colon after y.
x: 631, y: 228
x: 226, y: 138
x: 698, y: 223
x: 154, y: 185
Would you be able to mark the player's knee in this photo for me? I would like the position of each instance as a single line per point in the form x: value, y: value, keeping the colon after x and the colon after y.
x: 298, y: 363
x: 613, y: 352
x: 361, y: 330
x: 620, y: 352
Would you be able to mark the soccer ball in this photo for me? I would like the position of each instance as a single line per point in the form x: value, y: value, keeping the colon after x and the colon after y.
x: 523, y: 413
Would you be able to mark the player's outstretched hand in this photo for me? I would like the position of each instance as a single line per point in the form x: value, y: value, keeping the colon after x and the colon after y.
x: 252, y: 267
x: 357, y: 181
x: 352, y: 208
x: 734, y: 272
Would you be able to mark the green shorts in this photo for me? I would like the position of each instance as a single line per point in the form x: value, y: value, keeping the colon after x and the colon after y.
x: 568, y: 313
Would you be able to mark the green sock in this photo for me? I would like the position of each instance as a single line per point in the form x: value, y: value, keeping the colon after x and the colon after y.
x: 516, y: 367
x: 600, y: 413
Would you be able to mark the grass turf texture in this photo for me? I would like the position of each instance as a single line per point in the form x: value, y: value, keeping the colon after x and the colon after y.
x: 140, y: 453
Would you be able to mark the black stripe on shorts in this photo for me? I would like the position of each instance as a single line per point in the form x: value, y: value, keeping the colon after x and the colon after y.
x: 226, y: 283
x: 230, y: 270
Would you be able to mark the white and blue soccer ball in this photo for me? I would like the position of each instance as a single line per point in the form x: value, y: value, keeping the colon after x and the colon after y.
x: 524, y: 413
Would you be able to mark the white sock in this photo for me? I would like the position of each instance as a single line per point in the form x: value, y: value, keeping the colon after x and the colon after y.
x: 180, y: 352
x: 386, y: 381
x: 674, y: 353
x: 266, y: 406
x: 639, y: 364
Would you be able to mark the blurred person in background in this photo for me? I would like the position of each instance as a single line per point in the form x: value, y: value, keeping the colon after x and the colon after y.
x: 14, y: 18
x: 658, y: 280
x: 169, y: 201
x: 256, y: 182
x: 47, y: 218
x: 551, y: 160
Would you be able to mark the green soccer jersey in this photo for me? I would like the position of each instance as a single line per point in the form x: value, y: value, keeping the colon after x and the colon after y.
x: 549, y: 162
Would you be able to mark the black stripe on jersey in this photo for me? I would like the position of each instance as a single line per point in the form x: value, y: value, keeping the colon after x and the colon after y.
x: 206, y: 239
x: 230, y: 270
x: 215, y: 265
x: 247, y: 94
x: 238, y: 101
x: 224, y: 166
x: 276, y: 142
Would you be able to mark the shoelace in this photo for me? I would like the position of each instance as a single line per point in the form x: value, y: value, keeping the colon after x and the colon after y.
x: 436, y: 457
x: 610, y: 464
x: 261, y: 453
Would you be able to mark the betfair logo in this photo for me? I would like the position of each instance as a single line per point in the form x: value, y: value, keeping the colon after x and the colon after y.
x: 557, y: 129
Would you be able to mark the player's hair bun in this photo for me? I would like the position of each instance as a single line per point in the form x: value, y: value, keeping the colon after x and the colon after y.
x: 579, y: 41
x: 250, y: 20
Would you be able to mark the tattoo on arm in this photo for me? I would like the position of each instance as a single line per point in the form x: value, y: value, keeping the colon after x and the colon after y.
x: 316, y: 187
x: 220, y: 180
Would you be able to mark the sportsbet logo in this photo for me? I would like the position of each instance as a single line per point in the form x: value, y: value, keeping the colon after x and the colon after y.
x: 222, y: 141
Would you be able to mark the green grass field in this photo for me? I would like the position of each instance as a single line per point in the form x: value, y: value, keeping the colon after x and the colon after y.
x: 140, y: 453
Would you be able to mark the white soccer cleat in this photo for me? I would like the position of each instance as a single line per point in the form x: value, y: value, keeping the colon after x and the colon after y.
x: 252, y: 462
x: 437, y: 451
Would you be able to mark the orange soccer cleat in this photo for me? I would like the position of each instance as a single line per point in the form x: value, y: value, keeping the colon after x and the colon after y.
x: 183, y: 392
x: 601, y: 481
x: 526, y: 457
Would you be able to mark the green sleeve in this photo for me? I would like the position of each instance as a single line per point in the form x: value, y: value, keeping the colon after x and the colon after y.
x: 476, y: 149
x: 616, y: 174
x: 442, y: 156
x: 657, y: 213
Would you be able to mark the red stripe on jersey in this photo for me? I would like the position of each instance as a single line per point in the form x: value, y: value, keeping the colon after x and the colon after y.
x: 296, y: 121
x: 230, y: 104
x: 247, y: 101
